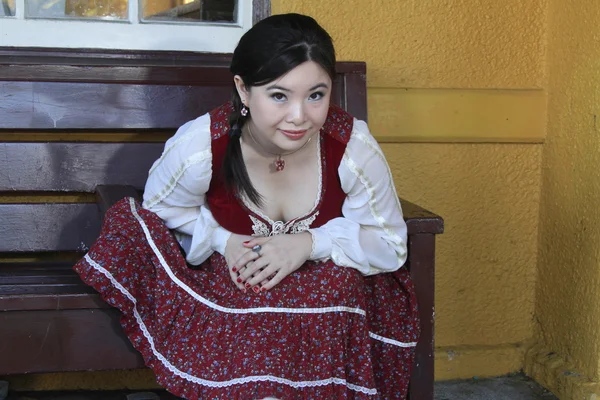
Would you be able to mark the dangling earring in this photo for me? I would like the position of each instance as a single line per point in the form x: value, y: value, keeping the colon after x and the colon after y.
x: 244, y: 110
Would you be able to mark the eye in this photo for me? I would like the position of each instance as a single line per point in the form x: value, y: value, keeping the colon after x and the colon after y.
x: 278, y: 96
x: 316, y: 96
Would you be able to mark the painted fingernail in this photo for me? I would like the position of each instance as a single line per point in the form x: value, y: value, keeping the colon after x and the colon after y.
x: 263, y: 289
x: 247, y: 285
x: 256, y: 289
x: 246, y: 242
x: 234, y: 269
x: 239, y: 279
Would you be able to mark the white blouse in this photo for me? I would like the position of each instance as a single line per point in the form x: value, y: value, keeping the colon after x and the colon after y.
x: 371, y: 236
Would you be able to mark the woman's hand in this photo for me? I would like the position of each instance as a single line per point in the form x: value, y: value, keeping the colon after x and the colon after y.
x: 280, y: 255
x: 234, y: 251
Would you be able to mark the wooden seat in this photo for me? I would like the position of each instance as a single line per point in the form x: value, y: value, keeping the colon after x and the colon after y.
x: 79, y: 131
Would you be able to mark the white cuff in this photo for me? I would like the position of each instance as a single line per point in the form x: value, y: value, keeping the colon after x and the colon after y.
x: 321, y: 244
x: 220, y: 237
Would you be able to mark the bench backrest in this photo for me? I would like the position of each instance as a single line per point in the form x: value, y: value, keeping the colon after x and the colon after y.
x: 70, y: 121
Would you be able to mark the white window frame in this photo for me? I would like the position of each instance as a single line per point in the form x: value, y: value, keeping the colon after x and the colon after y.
x: 17, y: 31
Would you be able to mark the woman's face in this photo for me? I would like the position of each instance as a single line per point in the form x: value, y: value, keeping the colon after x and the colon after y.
x: 286, y: 113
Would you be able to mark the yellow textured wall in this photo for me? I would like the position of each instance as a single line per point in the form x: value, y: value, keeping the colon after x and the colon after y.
x: 460, y: 71
x: 467, y: 48
x: 468, y: 71
x: 436, y: 44
x: 568, y: 289
x: 485, y: 261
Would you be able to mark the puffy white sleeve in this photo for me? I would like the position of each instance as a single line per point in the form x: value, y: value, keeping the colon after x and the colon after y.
x: 176, y: 191
x: 371, y: 236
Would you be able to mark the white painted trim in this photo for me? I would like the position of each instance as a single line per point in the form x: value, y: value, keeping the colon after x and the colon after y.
x: 129, y: 35
x: 20, y: 9
x: 135, y: 13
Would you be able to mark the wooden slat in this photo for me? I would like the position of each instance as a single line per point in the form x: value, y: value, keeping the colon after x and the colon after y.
x: 67, y: 105
x: 74, y: 227
x: 12, y: 60
x: 48, y: 227
x: 84, y: 105
x: 65, y: 340
x: 33, y: 279
x: 59, y: 90
x: 63, y: 56
x: 74, y: 167
x: 118, y: 73
x: 43, y: 277
x: 53, y: 301
x: 70, y: 285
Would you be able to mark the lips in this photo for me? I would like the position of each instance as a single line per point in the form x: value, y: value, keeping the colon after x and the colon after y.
x: 295, y: 135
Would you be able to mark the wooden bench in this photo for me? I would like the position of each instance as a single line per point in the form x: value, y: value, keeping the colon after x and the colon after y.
x: 72, y: 125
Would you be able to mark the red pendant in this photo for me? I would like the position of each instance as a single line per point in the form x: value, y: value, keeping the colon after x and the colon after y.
x: 279, y: 164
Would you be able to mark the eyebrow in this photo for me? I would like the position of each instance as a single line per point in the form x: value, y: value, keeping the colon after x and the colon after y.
x: 317, y: 86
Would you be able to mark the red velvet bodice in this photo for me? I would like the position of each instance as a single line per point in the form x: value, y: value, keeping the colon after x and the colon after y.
x: 231, y: 213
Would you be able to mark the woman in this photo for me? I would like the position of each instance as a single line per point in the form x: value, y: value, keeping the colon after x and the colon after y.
x: 286, y: 210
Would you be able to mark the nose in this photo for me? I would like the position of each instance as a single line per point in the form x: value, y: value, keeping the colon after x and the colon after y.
x: 296, y: 114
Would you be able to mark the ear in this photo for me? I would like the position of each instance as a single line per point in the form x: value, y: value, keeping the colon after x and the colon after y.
x: 241, y: 89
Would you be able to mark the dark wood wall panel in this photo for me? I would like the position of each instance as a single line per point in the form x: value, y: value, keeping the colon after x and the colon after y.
x: 74, y: 167
x: 48, y: 227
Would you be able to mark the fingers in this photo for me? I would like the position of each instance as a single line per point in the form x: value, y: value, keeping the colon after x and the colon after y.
x: 263, y: 283
x: 262, y: 275
x: 257, y: 240
x: 252, y: 268
x: 236, y: 280
x: 245, y: 258
x: 273, y: 280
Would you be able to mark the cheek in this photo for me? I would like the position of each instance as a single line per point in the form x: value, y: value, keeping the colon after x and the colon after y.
x: 319, y: 115
x: 266, y: 114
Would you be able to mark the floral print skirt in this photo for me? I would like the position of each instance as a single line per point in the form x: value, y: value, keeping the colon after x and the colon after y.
x: 325, y: 332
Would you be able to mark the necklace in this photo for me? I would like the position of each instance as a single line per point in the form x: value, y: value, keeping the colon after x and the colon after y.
x: 279, y: 163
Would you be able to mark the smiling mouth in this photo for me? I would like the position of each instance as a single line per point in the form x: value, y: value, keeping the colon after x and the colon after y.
x: 295, y: 132
x: 294, y: 135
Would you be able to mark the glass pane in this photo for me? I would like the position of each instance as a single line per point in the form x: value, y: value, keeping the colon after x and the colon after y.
x: 78, y: 9
x: 189, y: 10
x: 8, y: 8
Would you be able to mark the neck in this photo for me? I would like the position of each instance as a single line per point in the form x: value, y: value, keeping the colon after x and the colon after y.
x: 259, y: 147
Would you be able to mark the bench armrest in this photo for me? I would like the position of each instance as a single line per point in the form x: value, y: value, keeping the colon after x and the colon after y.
x: 107, y: 195
x: 420, y: 220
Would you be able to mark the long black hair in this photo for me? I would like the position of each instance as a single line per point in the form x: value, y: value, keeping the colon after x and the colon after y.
x: 270, y: 49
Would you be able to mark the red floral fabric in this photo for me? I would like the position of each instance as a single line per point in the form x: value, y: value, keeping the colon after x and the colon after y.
x: 325, y: 332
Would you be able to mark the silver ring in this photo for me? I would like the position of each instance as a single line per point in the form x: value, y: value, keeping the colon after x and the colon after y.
x: 257, y: 249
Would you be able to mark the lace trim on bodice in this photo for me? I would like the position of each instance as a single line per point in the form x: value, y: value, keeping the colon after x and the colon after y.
x: 269, y: 227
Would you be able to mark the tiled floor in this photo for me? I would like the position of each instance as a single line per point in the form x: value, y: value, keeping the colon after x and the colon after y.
x: 516, y: 387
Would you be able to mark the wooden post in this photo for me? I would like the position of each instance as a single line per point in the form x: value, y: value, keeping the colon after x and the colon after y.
x: 421, y: 258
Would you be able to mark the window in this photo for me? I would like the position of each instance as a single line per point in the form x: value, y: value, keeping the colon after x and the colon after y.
x: 193, y: 25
